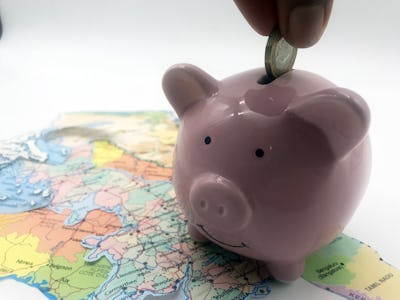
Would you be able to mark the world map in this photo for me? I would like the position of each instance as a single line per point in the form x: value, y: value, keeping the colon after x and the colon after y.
x: 88, y: 211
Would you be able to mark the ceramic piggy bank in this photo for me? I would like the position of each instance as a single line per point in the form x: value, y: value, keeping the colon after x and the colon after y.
x: 270, y: 171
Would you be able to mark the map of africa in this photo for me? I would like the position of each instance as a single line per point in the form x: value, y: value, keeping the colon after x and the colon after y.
x: 88, y: 211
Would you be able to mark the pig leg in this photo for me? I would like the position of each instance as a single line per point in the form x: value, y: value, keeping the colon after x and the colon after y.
x: 263, y: 270
x: 286, y: 272
x: 196, y: 234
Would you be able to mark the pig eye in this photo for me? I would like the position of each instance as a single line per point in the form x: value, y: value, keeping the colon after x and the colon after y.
x: 259, y: 153
x: 207, y: 140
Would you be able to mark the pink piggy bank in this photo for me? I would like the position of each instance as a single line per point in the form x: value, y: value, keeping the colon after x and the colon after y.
x: 269, y: 171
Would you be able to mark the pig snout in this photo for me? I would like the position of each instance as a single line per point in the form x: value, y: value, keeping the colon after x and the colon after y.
x: 218, y: 202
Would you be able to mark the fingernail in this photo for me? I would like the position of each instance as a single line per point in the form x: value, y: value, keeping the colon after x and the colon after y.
x: 306, y: 25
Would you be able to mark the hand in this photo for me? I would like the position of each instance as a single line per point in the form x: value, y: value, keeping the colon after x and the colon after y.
x: 301, y: 22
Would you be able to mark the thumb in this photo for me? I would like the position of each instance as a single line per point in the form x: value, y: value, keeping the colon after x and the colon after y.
x: 302, y: 22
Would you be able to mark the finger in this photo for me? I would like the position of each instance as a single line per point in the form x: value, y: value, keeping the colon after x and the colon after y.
x: 302, y: 22
x: 260, y: 14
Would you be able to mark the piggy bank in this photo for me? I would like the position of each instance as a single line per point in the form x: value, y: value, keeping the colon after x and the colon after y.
x: 270, y: 171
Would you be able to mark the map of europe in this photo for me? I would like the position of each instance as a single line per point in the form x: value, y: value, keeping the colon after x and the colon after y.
x: 88, y: 211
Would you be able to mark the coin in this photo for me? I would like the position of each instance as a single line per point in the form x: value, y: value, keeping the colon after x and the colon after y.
x: 279, y: 55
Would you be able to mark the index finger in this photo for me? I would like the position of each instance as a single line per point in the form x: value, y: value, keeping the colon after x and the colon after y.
x: 260, y: 14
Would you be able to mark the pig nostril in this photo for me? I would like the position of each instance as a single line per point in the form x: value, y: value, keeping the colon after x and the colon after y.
x: 221, y: 210
x: 203, y: 204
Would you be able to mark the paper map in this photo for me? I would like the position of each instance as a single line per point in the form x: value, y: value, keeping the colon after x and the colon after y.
x: 88, y: 211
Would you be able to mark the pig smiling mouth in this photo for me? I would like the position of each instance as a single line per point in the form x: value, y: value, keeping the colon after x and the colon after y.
x: 242, y: 245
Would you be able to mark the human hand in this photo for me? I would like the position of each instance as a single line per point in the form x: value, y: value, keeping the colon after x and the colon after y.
x: 301, y: 22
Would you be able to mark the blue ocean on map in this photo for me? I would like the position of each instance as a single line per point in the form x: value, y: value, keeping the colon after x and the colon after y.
x: 18, y: 192
x: 79, y: 209
x: 56, y: 154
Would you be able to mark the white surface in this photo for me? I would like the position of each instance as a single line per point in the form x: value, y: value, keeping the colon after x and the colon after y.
x: 74, y: 55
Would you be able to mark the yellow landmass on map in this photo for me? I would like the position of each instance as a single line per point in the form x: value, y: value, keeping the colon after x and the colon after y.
x: 105, y: 152
x: 164, y: 134
x: 375, y: 277
x: 150, y: 136
x: 19, y: 254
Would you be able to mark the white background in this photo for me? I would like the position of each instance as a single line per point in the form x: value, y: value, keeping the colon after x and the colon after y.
x: 97, y: 55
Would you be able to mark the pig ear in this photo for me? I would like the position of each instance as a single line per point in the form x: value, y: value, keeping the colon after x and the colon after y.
x: 340, y: 115
x: 185, y: 85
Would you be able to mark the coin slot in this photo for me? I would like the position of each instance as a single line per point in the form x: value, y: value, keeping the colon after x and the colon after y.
x: 265, y: 79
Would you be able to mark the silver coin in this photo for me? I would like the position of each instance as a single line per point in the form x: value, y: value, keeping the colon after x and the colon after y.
x: 279, y: 55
